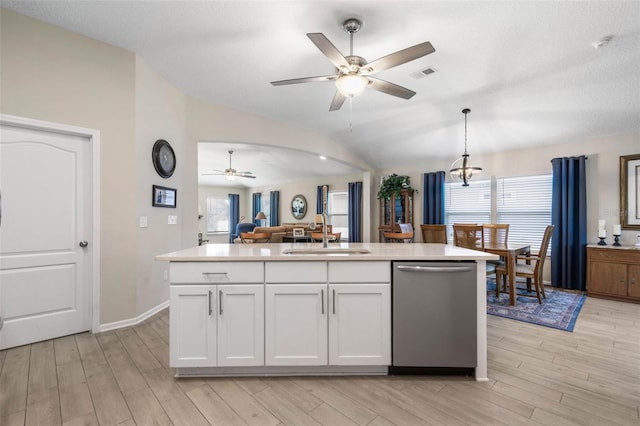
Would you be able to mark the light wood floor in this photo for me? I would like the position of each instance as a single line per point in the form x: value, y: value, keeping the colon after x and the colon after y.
x: 538, y: 376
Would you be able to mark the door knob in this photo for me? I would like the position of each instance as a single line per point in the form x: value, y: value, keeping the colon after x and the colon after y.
x: 83, y: 244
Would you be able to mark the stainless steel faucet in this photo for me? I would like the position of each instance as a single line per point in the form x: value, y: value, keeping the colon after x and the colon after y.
x: 325, y: 238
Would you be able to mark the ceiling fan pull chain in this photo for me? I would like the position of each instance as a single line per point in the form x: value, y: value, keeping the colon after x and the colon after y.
x: 351, y: 115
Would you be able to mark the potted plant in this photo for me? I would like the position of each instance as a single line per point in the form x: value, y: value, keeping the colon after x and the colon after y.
x: 393, y: 184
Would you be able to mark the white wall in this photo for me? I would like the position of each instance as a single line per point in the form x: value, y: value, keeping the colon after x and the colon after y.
x: 160, y: 114
x: 51, y: 74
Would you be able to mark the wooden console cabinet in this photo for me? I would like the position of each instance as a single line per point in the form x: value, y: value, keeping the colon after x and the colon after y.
x: 613, y: 272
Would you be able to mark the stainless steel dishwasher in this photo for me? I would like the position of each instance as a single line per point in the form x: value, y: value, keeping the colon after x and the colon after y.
x: 434, y: 317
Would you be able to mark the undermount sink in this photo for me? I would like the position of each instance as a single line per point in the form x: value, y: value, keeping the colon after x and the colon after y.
x: 329, y: 250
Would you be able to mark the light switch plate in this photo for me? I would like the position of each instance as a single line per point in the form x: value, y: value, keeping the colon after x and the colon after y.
x: 172, y: 220
x: 144, y: 222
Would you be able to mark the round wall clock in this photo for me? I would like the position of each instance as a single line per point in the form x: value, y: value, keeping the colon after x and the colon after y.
x: 299, y: 206
x: 164, y: 159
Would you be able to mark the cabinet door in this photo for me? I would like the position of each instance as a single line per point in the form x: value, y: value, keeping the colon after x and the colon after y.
x: 608, y: 278
x: 192, y: 331
x: 634, y: 281
x: 295, y: 324
x: 360, y: 324
x: 240, y: 325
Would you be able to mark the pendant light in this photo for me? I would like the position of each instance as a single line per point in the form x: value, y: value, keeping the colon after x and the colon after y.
x: 461, y: 169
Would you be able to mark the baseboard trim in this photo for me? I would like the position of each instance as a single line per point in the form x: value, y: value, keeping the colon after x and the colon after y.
x: 133, y: 321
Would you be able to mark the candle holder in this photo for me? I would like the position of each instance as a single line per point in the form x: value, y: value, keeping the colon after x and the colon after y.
x: 616, y: 241
x: 602, y: 242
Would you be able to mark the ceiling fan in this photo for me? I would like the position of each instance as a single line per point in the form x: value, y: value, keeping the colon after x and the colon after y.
x: 354, y: 72
x: 230, y: 173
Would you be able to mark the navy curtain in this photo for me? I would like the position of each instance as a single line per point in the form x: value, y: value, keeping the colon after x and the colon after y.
x: 319, y: 198
x: 256, y: 206
x: 234, y: 214
x: 274, y: 205
x: 569, y: 215
x: 355, y: 212
x: 433, y: 200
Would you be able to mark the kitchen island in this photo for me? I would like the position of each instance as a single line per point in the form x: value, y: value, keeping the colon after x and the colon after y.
x: 253, y: 309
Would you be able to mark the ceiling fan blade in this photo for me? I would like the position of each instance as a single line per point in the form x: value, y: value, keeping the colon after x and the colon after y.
x: 244, y: 175
x: 390, y: 88
x: 329, y: 50
x: 401, y: 56
x: 212, y: 174
x: 338, y: 100
x: 304, y: 80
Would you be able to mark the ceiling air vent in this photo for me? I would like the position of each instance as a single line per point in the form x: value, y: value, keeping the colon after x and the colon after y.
x: 423, y: 72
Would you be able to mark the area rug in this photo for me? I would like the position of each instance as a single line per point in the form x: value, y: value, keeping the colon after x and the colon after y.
x: 559, y: 310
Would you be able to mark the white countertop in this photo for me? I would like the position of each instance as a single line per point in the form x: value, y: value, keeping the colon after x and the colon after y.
x: 273, y: 252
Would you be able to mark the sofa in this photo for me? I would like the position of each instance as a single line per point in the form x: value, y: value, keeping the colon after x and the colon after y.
x: 286, y: 229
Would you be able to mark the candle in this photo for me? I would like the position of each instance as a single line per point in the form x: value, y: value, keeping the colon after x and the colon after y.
x: 602, y: 233
x: 617, y: 230
x: 601, y: 225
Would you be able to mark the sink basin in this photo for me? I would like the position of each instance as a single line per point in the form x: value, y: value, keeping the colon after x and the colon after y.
x: 330, y: 250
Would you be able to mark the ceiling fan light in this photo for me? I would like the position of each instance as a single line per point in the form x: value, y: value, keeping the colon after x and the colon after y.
x: 351, y: 85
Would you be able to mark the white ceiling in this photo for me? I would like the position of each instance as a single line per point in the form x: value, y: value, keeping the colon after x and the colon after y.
x: 526, y: 69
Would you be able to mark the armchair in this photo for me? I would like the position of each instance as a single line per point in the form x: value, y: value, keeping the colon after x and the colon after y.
x: 242, y: 227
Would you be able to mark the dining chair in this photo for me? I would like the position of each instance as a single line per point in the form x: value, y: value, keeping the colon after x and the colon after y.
x: 495, y: 233
x: 434, y: 233
x: 398, y: 237
x: 468, y: 236
x: 531, y: 270
x: 257, y: 237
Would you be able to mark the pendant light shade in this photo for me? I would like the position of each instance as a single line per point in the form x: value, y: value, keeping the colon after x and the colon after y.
x: 461, y: 169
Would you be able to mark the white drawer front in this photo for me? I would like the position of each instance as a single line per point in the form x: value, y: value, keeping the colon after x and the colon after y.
x: 216, y: 272
x: 296, y: 272
x: 359, y: 272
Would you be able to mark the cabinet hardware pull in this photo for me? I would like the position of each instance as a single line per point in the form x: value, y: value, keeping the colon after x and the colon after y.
x: 210, y: 310
x: 322, y: 297
x: 409, y: 268
x: 334, y: 301
x: 214, y: 275
x: 220, y: 301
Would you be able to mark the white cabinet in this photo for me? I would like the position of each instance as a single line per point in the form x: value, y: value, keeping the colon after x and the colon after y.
x: 216, y: 325
x: 240, y: 325
x: 217, y: 314
x: 192, y: 330
x: 314, y: 321
x: 360, y: 324
x: 295, y: 324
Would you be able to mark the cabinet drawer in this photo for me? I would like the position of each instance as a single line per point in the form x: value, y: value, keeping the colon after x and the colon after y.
x: 614, y: 255
x: 296, y: 272
x: 359, y: 272
x: 216, y: 272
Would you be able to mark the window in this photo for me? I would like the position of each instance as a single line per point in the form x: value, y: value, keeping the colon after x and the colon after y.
x: 266, y: 209
x: 338, y: 211
x: 217, y: 215
x: 525, y: 204
x: 470, y: 204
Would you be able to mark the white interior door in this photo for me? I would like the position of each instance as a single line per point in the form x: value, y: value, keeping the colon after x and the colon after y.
x: 45, y: 276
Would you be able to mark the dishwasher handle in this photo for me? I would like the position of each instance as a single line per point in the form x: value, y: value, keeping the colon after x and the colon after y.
x: 411, y: 268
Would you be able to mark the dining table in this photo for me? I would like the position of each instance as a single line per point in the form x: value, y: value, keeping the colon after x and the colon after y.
x: 509, y: 252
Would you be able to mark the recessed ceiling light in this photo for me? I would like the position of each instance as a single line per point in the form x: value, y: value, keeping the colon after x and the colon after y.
x: 602, y: 42
x: 322, y: 157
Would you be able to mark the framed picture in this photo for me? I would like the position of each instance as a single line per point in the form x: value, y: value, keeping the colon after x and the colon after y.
x: 298, y: 206
x: 630, y: 191
x: 298, y: 232
x: 163, y: 197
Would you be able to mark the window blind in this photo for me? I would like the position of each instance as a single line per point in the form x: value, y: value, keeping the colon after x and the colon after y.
x: 217, y: 214
x: 471, y: 204
x: 525, y: 204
